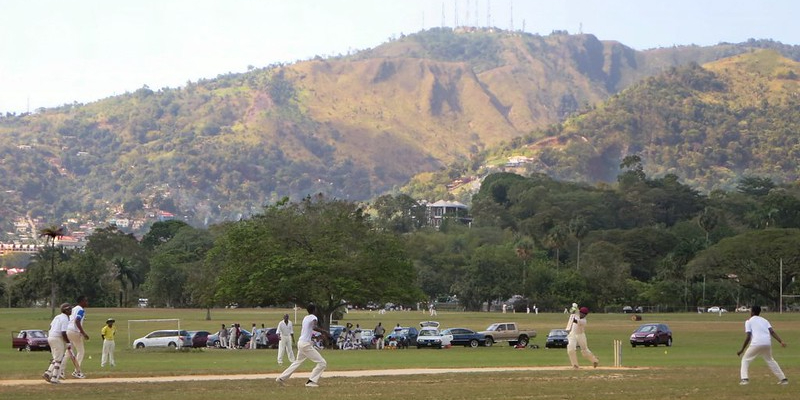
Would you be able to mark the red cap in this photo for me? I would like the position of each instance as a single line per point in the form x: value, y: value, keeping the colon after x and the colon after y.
x: 584, y: 310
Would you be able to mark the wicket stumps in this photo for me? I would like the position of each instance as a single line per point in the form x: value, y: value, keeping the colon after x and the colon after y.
x: 617, y: 353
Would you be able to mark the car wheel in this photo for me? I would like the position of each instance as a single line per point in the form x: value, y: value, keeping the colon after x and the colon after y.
x: 172, y: 345
x: 669, y: 342
x: 633, y: 345
x: 139, y: 345
x: 419, y: 347
x: 28, y: 347
x: 474, y: 343
x: 522, y: 341
x: 489, y: 342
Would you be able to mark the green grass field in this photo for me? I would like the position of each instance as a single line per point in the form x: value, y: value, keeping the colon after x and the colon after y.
x: 701, y: 363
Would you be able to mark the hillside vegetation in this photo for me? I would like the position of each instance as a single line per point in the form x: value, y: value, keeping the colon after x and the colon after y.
x: 351, y: 127
x: 709, y: 125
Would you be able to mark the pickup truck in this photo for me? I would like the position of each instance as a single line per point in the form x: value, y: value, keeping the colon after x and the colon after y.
x: 507, y: 332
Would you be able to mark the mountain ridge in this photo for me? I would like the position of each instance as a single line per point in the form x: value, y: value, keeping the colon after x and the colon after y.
x: 352, y: 127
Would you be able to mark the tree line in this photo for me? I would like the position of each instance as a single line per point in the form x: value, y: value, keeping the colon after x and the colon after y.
x: 643, y: 241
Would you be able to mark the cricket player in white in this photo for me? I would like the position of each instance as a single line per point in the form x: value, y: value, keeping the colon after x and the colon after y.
x: 577, y: 337
x: 77, y: 334
x: 306, y: 349
x: 57, y: 339
x: 286, y: 332
x: 759, y: 334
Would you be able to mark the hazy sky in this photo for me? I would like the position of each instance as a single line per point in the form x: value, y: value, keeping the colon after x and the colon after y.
x: 54, y: 52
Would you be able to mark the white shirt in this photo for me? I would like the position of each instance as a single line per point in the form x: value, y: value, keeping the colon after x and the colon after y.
x: 759, y: 328
x: 309, y: 322
x: 578, y: 328
x: 77, y: 314
x: 285, y: 329
x: 58, y: 325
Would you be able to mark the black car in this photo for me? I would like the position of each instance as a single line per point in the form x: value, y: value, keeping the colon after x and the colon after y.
x: 651, y: 335
x: 465, y: 337
x: 557, y: 338
x: 404, y: 336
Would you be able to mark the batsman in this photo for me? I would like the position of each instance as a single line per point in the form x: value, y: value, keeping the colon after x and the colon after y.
x: 577, y: 337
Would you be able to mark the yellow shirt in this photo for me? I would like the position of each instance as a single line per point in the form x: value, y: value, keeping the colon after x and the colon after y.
x: 108, y: 332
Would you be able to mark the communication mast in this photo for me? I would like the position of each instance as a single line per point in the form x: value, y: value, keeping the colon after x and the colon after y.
x: 511, y: 6
x: 488, y: 13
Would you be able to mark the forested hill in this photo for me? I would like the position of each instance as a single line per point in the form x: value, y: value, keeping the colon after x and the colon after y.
x: 351, y: 127
x: 709, y: 125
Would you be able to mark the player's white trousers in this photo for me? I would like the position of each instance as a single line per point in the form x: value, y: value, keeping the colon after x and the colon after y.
x: 108, y: 353
x: 766, y: 353
x: 76, y: 339
x: 306, y: 350
x: 58, y: 348
x: 579, y: 340
x: 285, y: 347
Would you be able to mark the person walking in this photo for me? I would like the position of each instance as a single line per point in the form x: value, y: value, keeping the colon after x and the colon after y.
x: 378, y: 334
x: 306, y: 349
x: 577, y: 337
x: 107, y: 333
x: 57, y: 339
x: 76, y: 334
x: 758, y: 335
x: 286, y: 332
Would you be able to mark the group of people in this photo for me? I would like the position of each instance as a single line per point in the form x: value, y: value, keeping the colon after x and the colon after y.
x: 65, y: 335
x: 758, y: 342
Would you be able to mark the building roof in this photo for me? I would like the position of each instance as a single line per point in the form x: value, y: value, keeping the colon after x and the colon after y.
x: 452, y: 204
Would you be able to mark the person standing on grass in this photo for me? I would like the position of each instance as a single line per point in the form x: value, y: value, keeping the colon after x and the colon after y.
x: 223, y: 336
x: 378, y: 334
x: 286, y: 332
x: 57, y: 339
x: 76, y: 334
x: 306, y: 349
x: 577, y: 337
x: 107, y: 333
x: 254, y: 337
x: 758, y: 335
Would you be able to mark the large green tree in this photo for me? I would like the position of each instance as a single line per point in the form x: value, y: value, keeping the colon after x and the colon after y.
x: 753, y: 260
x: 316, y: 250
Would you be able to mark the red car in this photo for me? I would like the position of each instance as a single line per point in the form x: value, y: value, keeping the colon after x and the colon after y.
x: 29, y: 340
x: 651, y: 335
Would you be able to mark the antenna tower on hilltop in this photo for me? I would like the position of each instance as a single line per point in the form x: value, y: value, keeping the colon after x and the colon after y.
x: 511, y: 6
x: 488, y: 13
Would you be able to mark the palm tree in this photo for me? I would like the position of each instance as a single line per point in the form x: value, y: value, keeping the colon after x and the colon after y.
x: 556, y: 239
x: 525, y: 248
x: 124, y: 273
x: 52, y: 233
x: 579, y: 229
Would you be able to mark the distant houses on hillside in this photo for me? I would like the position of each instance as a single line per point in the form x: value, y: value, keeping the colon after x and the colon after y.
x: 442, y: 210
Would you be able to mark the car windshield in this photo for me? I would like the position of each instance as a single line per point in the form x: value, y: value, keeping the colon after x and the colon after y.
x: 428, y: 332
x: 646, y: 328
x: 558, y: 332
x: 492, y: 327
x: 36, y: 334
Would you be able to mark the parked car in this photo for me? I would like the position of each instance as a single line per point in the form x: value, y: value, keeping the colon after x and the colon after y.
x: 557, y: 338
x: 172, y: 338
x: 465, y: 337
x: 651, y: 335
x: 716, y: 309
x: 744, y: 309
x: 270, y: 341
x: 367, y: 336
x: 30, y: 340
x: 199, y: 338
x: 629, y: 309
x: 213, y: 339
x: 430, y: 336
x: 405, y: 336
x: 335, y: 331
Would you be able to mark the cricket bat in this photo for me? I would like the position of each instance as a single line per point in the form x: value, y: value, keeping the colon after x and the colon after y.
x: 573, y: 314
x: 72, y: 357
